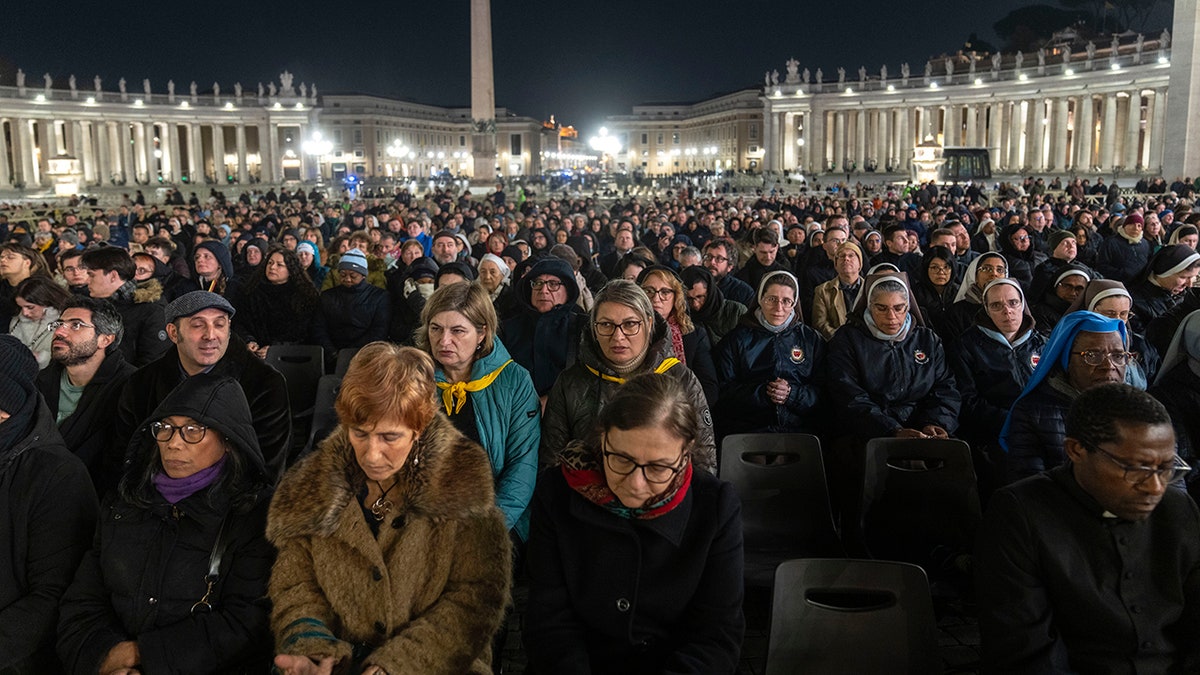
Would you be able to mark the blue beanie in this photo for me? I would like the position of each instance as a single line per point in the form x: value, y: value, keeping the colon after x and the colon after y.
x: 353, y: 260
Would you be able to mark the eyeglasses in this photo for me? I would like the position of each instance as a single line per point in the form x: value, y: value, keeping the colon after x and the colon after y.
x: 552, y: 284
x: 999, y: 305
x: 993, y: 269
x: 653, y: 473
x: 709, y: 257
x: 785, y: 303
x: 1136, y: 475
x: 145, y: 270
x: 608, y: 328
x: 71, y: 269
x: 1096, y: 357
x: 191, y: 433
x: 1022, y: 238
x: 75, y: 325
x: 940, y: 269
x: 661, y: 293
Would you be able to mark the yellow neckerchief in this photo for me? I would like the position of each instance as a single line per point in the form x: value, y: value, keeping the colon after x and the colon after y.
x: 455, y: 395
x: 663, y: 367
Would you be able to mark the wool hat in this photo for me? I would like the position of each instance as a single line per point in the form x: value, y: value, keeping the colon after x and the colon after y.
x: 423, y: 267
x: 196, y: 301
x: 354, y: 260
x: 18, y: 369
x: 221, y: 253
x: 460, y: 268
x: 1057, y: 237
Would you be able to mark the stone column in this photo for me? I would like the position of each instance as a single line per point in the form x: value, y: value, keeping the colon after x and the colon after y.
x: 1133, y: 132
x: 103, y: 152
x: 127, y: 136
x: 273, y: 155
x: 1035, y: 128
x: 172, y: 131
x: 771, y: 159
x: 881, y: 138
x: 220, y: 171
x: 25, y: 140
x: 839, y: 141
x: 1158, y: 132
x: 1085, y: 131
x: 814, y: 141
x: 191, y: 143
x: 305, y: 161
x: 1182, y: 129
x: 860, y: 138
x: 243, y: 172
x: 973, y: 126
x: 1058, y: 139
x: 483, y: 94
x: 906, y: 123
x: 1108, y: 133
x: 5, y: 176
x: 1016, y: 119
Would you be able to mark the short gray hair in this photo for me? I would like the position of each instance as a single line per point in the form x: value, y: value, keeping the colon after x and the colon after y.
x: 888, y: 286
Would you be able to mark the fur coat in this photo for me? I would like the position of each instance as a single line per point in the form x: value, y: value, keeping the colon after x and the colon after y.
x: 426, y: 595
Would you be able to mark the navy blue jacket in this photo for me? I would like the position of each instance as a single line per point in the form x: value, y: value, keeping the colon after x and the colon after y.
x: 991, y: 374
x: 1122, y: 260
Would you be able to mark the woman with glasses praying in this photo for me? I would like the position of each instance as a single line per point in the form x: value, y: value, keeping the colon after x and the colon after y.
x: 625, y: 338
x: 635, y: 557
x: 888, y: 374
x: 1019, y: 247
x: 935, y: 288
x: 1085, y: 350
x: 692, y: 347
x: 176, y: 579
x: 772, y: 366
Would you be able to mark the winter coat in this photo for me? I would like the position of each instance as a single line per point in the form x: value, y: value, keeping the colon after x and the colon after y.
x: 149, y: 563
x: 351, y: 317
x: 750, y: 357
x: 33, y: 334
x: 88, y: 431
x: 1035, y: 438
x: 698, y: 355
x: 615, y: 596
x: 719, y: 315
x: 1120, y: 260
x: 508, y: 417
x: 47, y: 515
x: 426, y: 595
x: 879, y: 387
x: 829, y: 311
x: 1150, y: 301
x: 583, y: 389
x: 990, y: 374
x: 263, y: 386
x: 141, y: 309
x: 1179, y: 392
x: 545, y: 343
x: 273, y: 314
x: 737, y: 290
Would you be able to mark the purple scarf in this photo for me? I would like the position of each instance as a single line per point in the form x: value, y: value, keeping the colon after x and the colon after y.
x: 175, y: 490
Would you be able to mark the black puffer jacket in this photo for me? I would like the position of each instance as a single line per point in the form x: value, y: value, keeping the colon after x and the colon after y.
x: 1121, y: 260
x: 1150, y: 301
x: 145, y: 323
x: 351, y: 317
x: 150, y: 559
x: 879, y: 387
x: 991, y: 374
x: 580, y: 393
x: 545, y: 343
x: 1035, y: 438
x: 750, y: 357
x: 47, y: 515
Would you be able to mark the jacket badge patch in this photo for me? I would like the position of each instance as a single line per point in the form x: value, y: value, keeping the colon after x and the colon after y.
x: 797, y: 355
x: 920, y: 357
x: 1034, y: 359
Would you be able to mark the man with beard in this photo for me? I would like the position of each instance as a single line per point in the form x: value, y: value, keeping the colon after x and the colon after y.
x: 85, y: 376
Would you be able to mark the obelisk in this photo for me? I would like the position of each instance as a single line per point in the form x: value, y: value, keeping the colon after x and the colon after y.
x: 1181, y: 154
x: 483, y: 94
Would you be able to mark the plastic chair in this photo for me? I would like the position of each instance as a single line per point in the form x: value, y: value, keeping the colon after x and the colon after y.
x: 780, y: 479
x: 324, y: 418
x: 920, y: 502
x: 852, y: 616
x: 302, y: 366
x: 344, y: 356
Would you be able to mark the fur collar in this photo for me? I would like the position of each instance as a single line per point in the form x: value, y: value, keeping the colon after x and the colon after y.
x: 453, y: 480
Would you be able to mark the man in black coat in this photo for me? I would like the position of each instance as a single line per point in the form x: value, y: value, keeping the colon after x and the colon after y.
x: 47, y: 515
x: 84, y: 379
x: 110, y: 277
x: 543, y: 336
x: 720, y: 257
x: 199, y: 325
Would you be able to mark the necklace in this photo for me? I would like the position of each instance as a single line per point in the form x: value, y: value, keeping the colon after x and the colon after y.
x: 383, y: 505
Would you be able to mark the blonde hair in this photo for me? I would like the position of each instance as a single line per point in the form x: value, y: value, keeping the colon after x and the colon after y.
x: 470, y: 300
x: 680, y: 311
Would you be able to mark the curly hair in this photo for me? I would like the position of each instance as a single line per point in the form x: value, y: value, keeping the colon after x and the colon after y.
x: 304, y: 295
x: 1098, y: 415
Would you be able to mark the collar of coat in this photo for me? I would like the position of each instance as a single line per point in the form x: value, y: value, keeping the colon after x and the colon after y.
x: 452, y: 481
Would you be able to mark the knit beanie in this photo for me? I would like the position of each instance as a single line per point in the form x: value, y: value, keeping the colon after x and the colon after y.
x: 18, y: 369
x: 353, y: 260
x: 1057, y: 237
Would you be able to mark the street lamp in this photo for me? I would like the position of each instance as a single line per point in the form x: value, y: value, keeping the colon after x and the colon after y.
x: 318, y: 146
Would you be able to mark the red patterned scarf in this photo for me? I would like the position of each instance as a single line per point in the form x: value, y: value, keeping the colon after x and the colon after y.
x: 585, y: 474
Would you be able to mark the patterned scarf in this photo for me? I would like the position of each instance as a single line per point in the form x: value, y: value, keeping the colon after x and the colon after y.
x: 676, y: 338
x: 582, y: 468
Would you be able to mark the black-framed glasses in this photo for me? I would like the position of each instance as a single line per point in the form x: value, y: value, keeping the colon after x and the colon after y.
x: 1136, y: 475
x: 993, y: 269
x: 709, y: 257
x: 75, y: 325
x: 786, y: 303
x: 552, y: 284
x: 662, y: 293
x: 608, y: 328
x: 1096, y: 357
x: 999, y: 305
x: 191, y: 433
x: 652, y: 472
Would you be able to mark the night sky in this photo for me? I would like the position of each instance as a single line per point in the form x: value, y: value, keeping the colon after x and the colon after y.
x: 578, y: 61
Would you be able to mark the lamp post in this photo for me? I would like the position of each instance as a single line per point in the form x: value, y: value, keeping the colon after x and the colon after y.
x: 398, y: 152
x: 608, y: 146
x: 317, y: 147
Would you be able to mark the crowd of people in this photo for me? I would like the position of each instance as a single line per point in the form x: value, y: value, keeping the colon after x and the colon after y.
x: 541, y: 388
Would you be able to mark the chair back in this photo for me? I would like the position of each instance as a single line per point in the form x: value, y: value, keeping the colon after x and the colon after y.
x: 836, y: 615
x: 302, y: 366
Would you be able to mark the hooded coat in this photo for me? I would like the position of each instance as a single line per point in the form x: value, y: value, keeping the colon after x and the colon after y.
x: 583, y: 389
x: 719, y: 315
x: 149, y: 563
x: 545, y: 343
x: 424, y: 596
x: 47, y: 515
x: 145, y: 323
